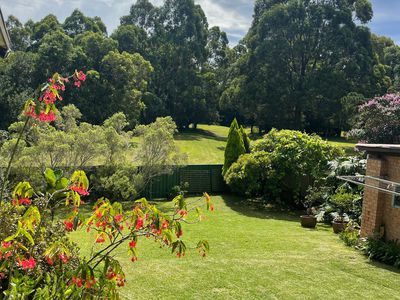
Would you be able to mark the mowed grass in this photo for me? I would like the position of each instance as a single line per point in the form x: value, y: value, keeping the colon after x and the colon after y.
x: 206, y: 144
x: 255, y: 254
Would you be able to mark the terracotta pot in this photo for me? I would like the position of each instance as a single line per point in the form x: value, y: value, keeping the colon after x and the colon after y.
x: 308, y: 221
x: 339, y: 226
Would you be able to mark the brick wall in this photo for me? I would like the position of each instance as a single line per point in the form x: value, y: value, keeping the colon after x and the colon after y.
x: 371, y: 220
x: 378, y: 207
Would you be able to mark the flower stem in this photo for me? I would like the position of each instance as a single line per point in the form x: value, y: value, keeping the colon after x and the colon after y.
x: 14, y: 151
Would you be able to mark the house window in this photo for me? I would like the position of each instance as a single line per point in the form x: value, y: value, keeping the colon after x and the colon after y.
x: 396, y: 198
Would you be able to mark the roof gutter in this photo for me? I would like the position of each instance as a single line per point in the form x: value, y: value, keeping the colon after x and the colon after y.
x: 5, y: 41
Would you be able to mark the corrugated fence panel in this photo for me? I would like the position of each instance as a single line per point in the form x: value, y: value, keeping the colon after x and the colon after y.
x: 201, y: 178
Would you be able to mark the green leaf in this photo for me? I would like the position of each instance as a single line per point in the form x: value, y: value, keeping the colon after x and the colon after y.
x: 50, y: 177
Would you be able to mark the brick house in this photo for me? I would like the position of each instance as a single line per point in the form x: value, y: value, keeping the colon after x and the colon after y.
x: 381, y: 208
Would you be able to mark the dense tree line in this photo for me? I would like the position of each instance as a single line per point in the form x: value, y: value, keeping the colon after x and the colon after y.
x: 302, y: 65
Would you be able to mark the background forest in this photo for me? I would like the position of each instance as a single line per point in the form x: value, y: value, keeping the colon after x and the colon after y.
x: 303, y: 65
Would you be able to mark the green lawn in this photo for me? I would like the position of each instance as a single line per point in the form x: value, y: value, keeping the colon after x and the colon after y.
x: 206, y: 145
x: 255, y: 254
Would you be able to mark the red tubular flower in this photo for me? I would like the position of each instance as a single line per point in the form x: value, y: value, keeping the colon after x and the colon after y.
x: 77, y: 281
x: 64, y: 258
x: 69, y: 226
x: 139, y: 223
x: 100, y: 239
x: 5, y: 245
x: 25, y: 201
x: 179, y: 233
x: 80, y: 190
x: 49, y: 260
x: 81, y: 76
x: 27, y: 263
x: 118, y: 218
x: 132, y: 244
x: 49, y: 117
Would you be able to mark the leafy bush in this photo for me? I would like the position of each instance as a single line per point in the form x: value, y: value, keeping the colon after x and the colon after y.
x: 253, y: 175
x: 179, y: 190
x: 351, y: 235
x: 387, y: 252
x: 330, y: 189
x: 281, y: 166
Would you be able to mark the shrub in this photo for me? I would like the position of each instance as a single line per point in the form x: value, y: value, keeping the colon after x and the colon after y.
x: 234, y: 146
x: 281, y: 166
x: 252, y: 175
x: 351, y: 235
x: 387, y: 252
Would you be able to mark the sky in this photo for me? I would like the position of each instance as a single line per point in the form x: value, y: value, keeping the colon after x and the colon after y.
x: 233, y: 16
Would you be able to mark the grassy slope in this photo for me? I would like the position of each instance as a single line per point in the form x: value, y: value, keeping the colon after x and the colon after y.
x: 207, y: 144
x: 255, y: 255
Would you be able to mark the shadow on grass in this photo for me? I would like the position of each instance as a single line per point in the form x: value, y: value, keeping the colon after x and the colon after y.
x: 197, y: 134
x: 257, y: 209
x: 383, y: 266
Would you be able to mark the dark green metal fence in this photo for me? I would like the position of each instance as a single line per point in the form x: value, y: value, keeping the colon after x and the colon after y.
x: 201, y: 178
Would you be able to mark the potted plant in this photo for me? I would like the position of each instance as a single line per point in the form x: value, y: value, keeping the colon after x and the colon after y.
x: 342, y: 201
x: 309, y: 220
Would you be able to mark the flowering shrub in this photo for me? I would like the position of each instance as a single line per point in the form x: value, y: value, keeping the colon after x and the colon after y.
x: 36, y: 257
x: 379, y: 120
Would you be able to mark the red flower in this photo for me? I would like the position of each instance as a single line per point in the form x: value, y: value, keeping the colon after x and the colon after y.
x: 139, y: 223
x: 132, y: 244
x: 24, y: 201
x: 49, y: 260
x: 69, y: 226
x: 5, y: 245
x: 81, y: 76
x: 183, y: 213
x: 89, y: 283
x: 179, y: 233
x: 165, y: 224
x: 118, y: 218
x: 49, y: 117
x: 31, y: 112
x: 77, y: 281
x: 64, y: 258
x: 120, y: 280
x: 80, y: 190
x: 27, y: 263
x: 77, y: 84
x: 100, y: 239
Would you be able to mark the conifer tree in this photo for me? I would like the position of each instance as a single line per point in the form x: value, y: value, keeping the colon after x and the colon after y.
x: 234, y: 146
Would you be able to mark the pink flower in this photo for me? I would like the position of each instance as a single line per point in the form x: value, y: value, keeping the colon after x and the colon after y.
x: 77, y: 84
x: 81, y: 76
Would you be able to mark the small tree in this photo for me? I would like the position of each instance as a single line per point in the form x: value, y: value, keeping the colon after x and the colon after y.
x: 234, y: 146
x: 246, y: 140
